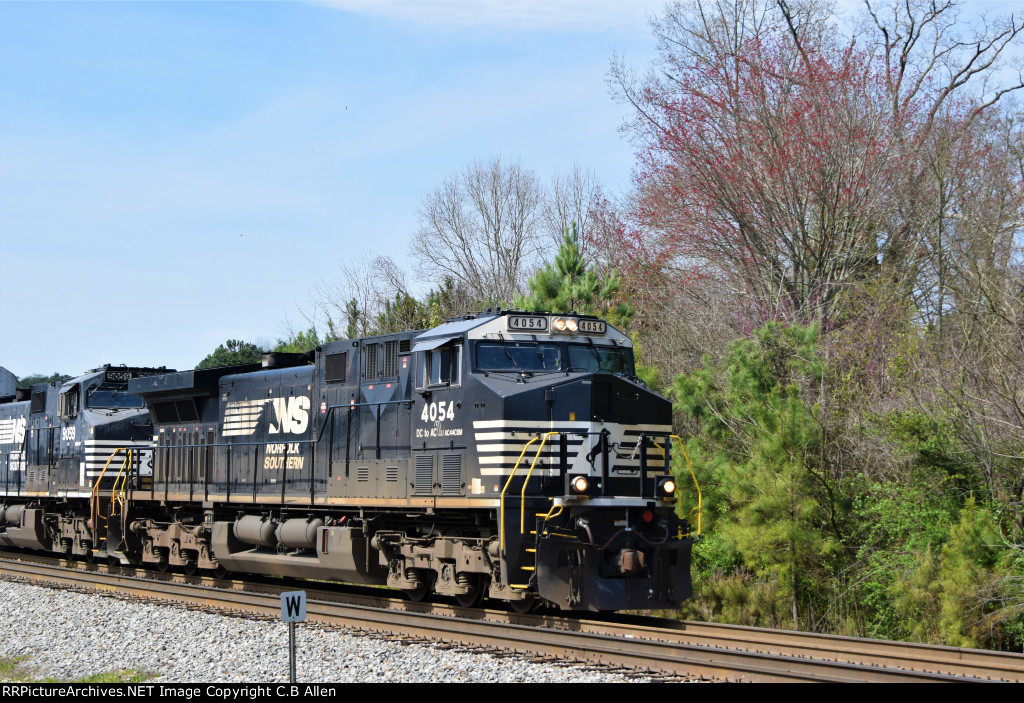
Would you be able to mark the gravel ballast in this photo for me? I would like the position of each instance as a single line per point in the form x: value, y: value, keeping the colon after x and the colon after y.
x: 67, y: 635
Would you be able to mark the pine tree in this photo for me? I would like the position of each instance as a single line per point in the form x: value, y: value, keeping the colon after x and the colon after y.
x: 302, y: 342
x: 571, y: 285
x: 761, y: 436
x: 354, y: 317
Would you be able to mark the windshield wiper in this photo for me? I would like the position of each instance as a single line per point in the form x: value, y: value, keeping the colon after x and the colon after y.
x: 504, y: 347
x: 597, y: 354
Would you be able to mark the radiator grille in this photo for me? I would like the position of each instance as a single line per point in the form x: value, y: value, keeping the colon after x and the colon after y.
x: 390, y: 359
x: 371, y: 363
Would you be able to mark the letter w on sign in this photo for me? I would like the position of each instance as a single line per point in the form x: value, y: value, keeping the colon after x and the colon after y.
x: 293, y: 606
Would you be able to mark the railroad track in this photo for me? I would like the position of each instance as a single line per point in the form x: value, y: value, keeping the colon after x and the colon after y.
x: 675, y: 650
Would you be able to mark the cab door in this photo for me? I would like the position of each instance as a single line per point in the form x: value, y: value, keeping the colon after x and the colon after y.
x: 438, y: 433
x: 67, y: 473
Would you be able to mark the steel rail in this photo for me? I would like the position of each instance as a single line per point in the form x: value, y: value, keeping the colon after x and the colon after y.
x: 631, y: 645
x: 976, y: 663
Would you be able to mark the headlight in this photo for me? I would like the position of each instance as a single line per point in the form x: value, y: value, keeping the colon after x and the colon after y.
x: 580, y: 484
x: 565, y: 325
x: 666, y: 488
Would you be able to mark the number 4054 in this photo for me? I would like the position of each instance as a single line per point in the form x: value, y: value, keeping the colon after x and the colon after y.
x: 441, y: 410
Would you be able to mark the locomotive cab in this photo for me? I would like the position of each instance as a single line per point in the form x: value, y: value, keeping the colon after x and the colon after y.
x: 557, y: 433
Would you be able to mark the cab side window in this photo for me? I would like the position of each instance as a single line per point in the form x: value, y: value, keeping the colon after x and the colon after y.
x: 67, y: 403
x: 443, y: 366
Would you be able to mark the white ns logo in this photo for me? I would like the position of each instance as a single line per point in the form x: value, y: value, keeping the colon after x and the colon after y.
x: 292, y: 415
x: 19, y: 430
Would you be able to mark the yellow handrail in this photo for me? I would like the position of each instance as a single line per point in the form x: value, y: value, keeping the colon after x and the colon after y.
x: 522, y: 504
x: 554, y: 512
x: 94, y: 494
x: 501, y: 511
x: 699, y: 507
x: 662, y: 450
x: 501, y: 514
x: 117, y: 494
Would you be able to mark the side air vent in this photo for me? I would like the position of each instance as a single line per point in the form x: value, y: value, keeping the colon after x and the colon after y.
x: 423, y: 481
x: 451, y: 474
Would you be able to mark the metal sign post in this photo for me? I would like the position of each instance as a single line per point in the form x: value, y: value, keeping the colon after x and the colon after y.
x: 293, y: 609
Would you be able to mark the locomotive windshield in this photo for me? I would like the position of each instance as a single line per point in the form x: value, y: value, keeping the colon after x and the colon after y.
x: 592, y: 358
x: 540, y: 356
x: 518, y: 356
x: 106, y: 396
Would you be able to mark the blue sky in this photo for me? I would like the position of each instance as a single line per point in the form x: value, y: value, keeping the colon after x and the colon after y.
x: 174, y: 174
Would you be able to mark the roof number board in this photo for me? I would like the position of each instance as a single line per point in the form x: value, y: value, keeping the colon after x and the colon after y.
x: 527, y: 323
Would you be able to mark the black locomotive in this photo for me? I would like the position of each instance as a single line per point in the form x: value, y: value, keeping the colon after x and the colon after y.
x: 511, y: 455
x: 57, y: 444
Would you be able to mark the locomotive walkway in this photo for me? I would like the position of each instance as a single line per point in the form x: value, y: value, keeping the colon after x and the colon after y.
x: 673, y: 650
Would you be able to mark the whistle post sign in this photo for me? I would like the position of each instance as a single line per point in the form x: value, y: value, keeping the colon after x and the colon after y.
x: 293, y: 606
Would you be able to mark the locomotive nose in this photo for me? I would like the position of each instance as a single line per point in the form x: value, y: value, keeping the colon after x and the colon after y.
x: 607, y: 398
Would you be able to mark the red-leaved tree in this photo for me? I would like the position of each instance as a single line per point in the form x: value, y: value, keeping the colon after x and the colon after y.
x: 783, y: 159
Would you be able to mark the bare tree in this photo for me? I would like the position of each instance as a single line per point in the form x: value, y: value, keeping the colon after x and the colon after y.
x: 351, y: 306
x: 571, y: 200
x: 931, y: 55
x: 979, y: 360
x: 481, y: 228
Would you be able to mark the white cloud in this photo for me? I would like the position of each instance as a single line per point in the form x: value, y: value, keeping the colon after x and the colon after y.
x: 566, y: 15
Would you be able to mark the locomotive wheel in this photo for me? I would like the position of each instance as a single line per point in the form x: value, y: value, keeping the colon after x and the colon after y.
x: 191, y: 567
x: 164, y: 564
x: 421, y: 593
x: 523, y: 606
x: 475, y: 596
x: 67, y: 558
x: 220, y: 573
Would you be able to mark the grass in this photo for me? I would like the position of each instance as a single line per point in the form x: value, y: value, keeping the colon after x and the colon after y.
x: 16, y: 669
x: 10, y: 668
